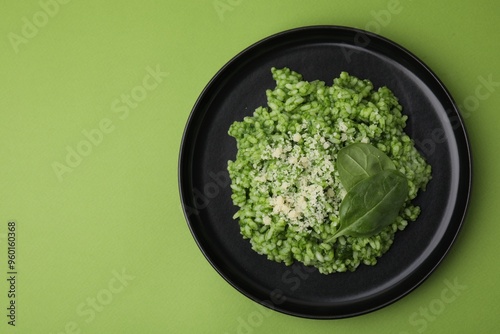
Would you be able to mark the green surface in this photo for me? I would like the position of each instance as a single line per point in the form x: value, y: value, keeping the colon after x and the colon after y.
x: 104, y: 247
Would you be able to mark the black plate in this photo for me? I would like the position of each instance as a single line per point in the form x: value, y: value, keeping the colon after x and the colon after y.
x: 322, y: 52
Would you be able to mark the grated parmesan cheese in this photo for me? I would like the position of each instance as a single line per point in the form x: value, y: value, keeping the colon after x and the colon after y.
x: 276, y: 153
x: 266, y: 220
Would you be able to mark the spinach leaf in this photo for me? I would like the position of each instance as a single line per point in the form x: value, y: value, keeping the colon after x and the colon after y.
x: 372, y: 204
x: 359, y: 161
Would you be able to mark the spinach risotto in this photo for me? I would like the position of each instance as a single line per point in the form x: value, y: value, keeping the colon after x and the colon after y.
x: 325, y: 175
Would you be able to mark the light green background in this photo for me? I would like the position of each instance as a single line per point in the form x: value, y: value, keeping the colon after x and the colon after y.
x: 118, y: 209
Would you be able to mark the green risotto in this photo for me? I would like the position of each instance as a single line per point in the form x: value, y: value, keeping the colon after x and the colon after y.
x: 285, y: 179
